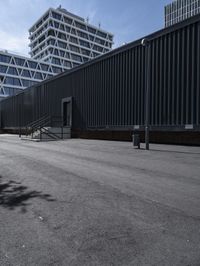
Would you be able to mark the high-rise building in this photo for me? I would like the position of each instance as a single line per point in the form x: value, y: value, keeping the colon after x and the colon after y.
x: 59, y: 40
x: 19, y: 72
x: 181, y: 9
x: 62, y: 38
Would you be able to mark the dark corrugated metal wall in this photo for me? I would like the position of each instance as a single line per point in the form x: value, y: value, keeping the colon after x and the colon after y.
x: 110, y: 92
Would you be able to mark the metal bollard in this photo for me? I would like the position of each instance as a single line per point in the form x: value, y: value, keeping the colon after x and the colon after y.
x: 136, y: 140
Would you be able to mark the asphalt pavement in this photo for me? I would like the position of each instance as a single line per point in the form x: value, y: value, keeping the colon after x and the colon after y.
x: 91, y: 202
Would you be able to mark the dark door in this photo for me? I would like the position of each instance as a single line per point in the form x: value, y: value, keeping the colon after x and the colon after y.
x: 67, y: 114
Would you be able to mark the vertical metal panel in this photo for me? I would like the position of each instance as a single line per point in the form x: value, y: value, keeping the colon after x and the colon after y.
x: 164, y: 65
x: 173, y: 77
x: 183, y: 78
x: 130, y: 88
x: 178, y: 75
x: 135, y: 75
x: 160, y: 86
x: 152, y: 88
x: 198, y: 76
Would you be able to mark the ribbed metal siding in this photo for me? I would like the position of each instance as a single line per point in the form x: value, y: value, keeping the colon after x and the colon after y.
x: 111, y: 91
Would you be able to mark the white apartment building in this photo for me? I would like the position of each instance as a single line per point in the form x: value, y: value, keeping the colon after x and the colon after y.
x: 62, y: 38
x: 18, y: 72
x: 181, y: 9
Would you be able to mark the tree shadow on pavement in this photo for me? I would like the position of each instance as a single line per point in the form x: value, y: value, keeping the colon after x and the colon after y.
x: 14, y: 195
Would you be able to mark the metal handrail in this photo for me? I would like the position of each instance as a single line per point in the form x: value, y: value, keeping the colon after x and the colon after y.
x: 38, y: 121
x: 35, y: 125
x: 50, y: 134
x: 41, y: 123
x: 44, y: 120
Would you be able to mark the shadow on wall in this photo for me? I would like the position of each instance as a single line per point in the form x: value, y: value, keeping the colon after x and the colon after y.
x: 13, y: 195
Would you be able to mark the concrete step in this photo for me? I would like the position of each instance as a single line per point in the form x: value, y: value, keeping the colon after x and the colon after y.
x: 30, y: 139
x: 64, y: 133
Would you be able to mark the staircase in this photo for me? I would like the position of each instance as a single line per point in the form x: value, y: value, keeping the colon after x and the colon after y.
x: 46, y: 128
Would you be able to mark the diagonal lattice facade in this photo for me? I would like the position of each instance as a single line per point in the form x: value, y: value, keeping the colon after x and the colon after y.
x: 62, y: 38
x: 18, y: 72
x: 181, y: 9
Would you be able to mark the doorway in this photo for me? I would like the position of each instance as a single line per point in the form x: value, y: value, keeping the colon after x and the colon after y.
x: 67, y: 111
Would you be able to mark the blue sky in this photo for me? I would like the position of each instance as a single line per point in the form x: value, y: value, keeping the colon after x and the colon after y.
x: 128, y: 19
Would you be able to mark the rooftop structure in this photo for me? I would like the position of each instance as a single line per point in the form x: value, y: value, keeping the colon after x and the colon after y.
x: 181, y: 9
x: 67, y: 40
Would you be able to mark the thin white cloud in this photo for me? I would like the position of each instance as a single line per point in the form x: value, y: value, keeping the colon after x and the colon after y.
x: 14, y: 43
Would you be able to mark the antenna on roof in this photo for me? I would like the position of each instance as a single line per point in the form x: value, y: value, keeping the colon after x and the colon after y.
x: 87, y: 19
x: 60, y: 7
x: 99, y: 24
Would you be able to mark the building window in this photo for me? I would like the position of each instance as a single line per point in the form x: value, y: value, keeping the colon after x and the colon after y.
x: 91, y: 30
x: 32, y: 64
x: 56, y: 16
x: 83, y: 43
x: 101, y: 34
x: 62, y: 53
x: 46, y: 17
x: 85, y: 52
x: 95, y: 54
x: 56, y: 61
x: 12, y: 81
x: 73, y: 39
x: 66, y: 55
x: 51, y: 33
x: 98, y: 48
x: 62, y: 45
x: 85, y: 59
x: 97, y: 40
x: 56, y: 24
x: 3, y: 69
x: 76, y: 58
x: 82, y: 34
x: 56, y: 52
x: 62, y: 36
x: 5, y: 58
x: 11, y: 91
x: 41, y: 39
x: 91, y: 38
x: 49, y: 76
x: 44, y: 67
x: 74, y: 48
x: 38, y: 76
x: 75, y: 64
x: 56, y: 69
x: 26, y: 83
x: 12, y: 71
x: 19, y: 61
x: 67, y: 64
x: 73, y: 32
x: 26, y: 73
x: 67, y: 20
x: 80, y: 25
x: 62, y: 27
